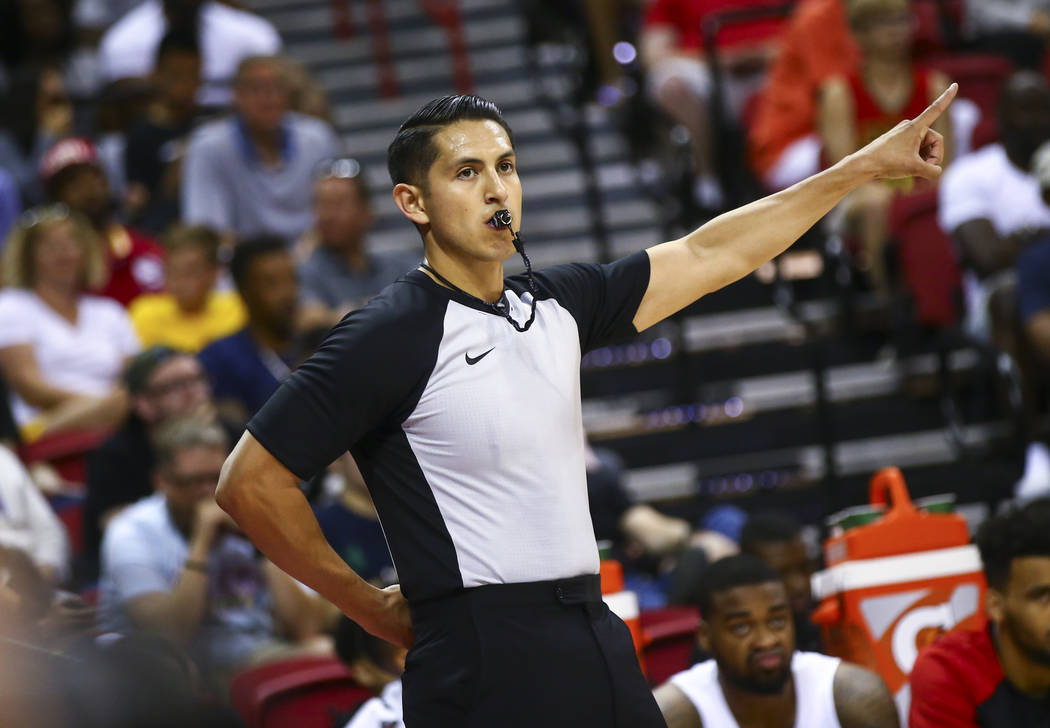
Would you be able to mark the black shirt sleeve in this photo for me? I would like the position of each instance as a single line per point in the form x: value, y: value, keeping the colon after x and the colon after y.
x: 367, y: 374
x: 602, y: 298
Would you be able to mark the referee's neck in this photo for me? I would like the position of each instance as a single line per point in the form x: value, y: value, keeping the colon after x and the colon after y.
x: 480, y: 278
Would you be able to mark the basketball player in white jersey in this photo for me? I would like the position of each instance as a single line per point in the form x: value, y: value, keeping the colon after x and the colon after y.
x: 756, y: 678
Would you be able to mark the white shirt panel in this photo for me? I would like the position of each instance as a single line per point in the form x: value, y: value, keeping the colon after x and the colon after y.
x: 513, y: 516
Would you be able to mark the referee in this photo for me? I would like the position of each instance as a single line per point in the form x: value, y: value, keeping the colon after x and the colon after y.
x: 457, y: 392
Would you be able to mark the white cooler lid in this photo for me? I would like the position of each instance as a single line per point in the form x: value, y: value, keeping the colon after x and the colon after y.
x: 884, y: 570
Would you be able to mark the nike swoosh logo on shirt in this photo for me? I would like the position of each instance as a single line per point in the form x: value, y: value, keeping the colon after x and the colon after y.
x: 472, y: 360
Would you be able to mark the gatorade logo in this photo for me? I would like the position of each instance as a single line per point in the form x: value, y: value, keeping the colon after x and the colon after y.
x: 914, y: 621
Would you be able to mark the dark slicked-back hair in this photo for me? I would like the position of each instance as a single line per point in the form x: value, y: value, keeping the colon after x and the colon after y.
x: 410, y: 155
x: 729, y: 573
x: 247, y: 251
x: 1021, y: 531
x: 770, y: 526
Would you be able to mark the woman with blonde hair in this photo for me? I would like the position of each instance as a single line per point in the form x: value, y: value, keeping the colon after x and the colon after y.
x: 62, y: 350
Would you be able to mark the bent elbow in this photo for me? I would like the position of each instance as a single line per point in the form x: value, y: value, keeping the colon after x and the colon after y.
x: 230, y: 490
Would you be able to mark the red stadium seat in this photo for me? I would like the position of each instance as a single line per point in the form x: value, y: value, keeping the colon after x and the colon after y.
x: 929, y: 267
x: 65, y: 451
x: 980, y: 76
x: 308, y: 692
x: 669, y: 636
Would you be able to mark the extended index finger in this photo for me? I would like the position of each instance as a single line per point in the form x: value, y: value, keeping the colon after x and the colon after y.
x: 934, y: 110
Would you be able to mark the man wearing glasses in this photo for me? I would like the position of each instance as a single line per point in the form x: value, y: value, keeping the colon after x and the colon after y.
x: 175, y: 564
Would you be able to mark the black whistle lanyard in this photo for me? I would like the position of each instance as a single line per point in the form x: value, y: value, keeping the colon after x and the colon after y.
x: 500, y: 307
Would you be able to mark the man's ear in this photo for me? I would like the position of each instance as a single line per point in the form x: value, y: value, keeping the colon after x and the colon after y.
x: 994, y: 604
x: 409, y: 199
x: 703, y: 636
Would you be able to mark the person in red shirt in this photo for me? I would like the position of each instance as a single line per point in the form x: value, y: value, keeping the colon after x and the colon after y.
x: 782, y: 142
x: 680, y: 83
x: 860, y: 106
x: 72, y: 175
x: 998, y: 677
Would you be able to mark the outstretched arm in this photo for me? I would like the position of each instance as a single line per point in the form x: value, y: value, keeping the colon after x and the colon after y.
x: 736, y: 243
x: 862, y: 699
x: 676, y: 708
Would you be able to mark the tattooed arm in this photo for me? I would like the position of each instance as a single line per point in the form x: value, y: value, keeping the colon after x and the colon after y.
x: 862, y: 699
x: 677, y: 709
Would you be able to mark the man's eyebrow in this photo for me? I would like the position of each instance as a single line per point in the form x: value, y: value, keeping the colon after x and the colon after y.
x: 474, y: 160
x: 739, y: 614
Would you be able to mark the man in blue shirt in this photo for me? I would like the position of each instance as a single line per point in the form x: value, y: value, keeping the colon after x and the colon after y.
x: 246, y: 367
x: 250, y: 174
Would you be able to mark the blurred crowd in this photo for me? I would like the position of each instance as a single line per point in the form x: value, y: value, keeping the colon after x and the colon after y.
x: 181, y: 225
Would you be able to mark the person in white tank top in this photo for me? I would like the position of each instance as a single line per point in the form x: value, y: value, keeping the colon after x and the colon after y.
x: 756, y: 679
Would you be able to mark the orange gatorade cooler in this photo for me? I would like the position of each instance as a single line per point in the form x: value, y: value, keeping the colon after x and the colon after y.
x: 897, y: 577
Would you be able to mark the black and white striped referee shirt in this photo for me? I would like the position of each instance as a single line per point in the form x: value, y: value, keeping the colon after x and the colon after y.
x: 468, y: 433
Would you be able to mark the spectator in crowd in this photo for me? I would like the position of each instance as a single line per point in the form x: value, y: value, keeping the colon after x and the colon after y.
x: 73, y: 177
x: 776, y: 538
x: 1000, y: 675
x: 817, y: 45
x: 35, y: 114
x: 756, y: 677
x: 192, y: 314
x: 157, y: 144
x: 680, y: 82
x: 251, y: 174
x: 377, y: 665
x: 227, y: 36
x: 120, y: 106
x: 27, y: 521
x: 991, y: 205
x: 341, y: 274
x: 889, y: 87
x: 175, y: 564
x: 61, y: 351
x: 661, y: 554
x: 163, y: 385
x: 1033, y: 273
x: 39, y: 33
x: 1017, y: 29
x: 351, y: 525
x: 246, y: 367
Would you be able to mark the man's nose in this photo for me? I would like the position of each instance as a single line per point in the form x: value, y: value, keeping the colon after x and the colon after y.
x: 495, y: 189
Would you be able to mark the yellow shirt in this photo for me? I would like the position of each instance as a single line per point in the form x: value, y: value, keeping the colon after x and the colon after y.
x: 158, y: 320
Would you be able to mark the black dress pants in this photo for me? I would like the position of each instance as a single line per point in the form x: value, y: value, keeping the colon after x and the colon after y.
x: 535, y: 655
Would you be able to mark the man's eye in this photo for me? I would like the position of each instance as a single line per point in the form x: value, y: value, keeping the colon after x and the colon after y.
x: 506, y: 167
x: 465, y: 173
x: 778, y: 623
x: 740, y: 629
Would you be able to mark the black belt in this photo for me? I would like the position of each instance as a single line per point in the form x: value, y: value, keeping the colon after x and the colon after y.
x: 583, y: 589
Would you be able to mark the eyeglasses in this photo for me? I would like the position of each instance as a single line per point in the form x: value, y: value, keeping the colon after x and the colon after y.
x: 340, y: 168
x: 165, y: 388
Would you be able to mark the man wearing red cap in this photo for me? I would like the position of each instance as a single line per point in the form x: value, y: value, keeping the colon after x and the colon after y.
x: 72, y: 175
